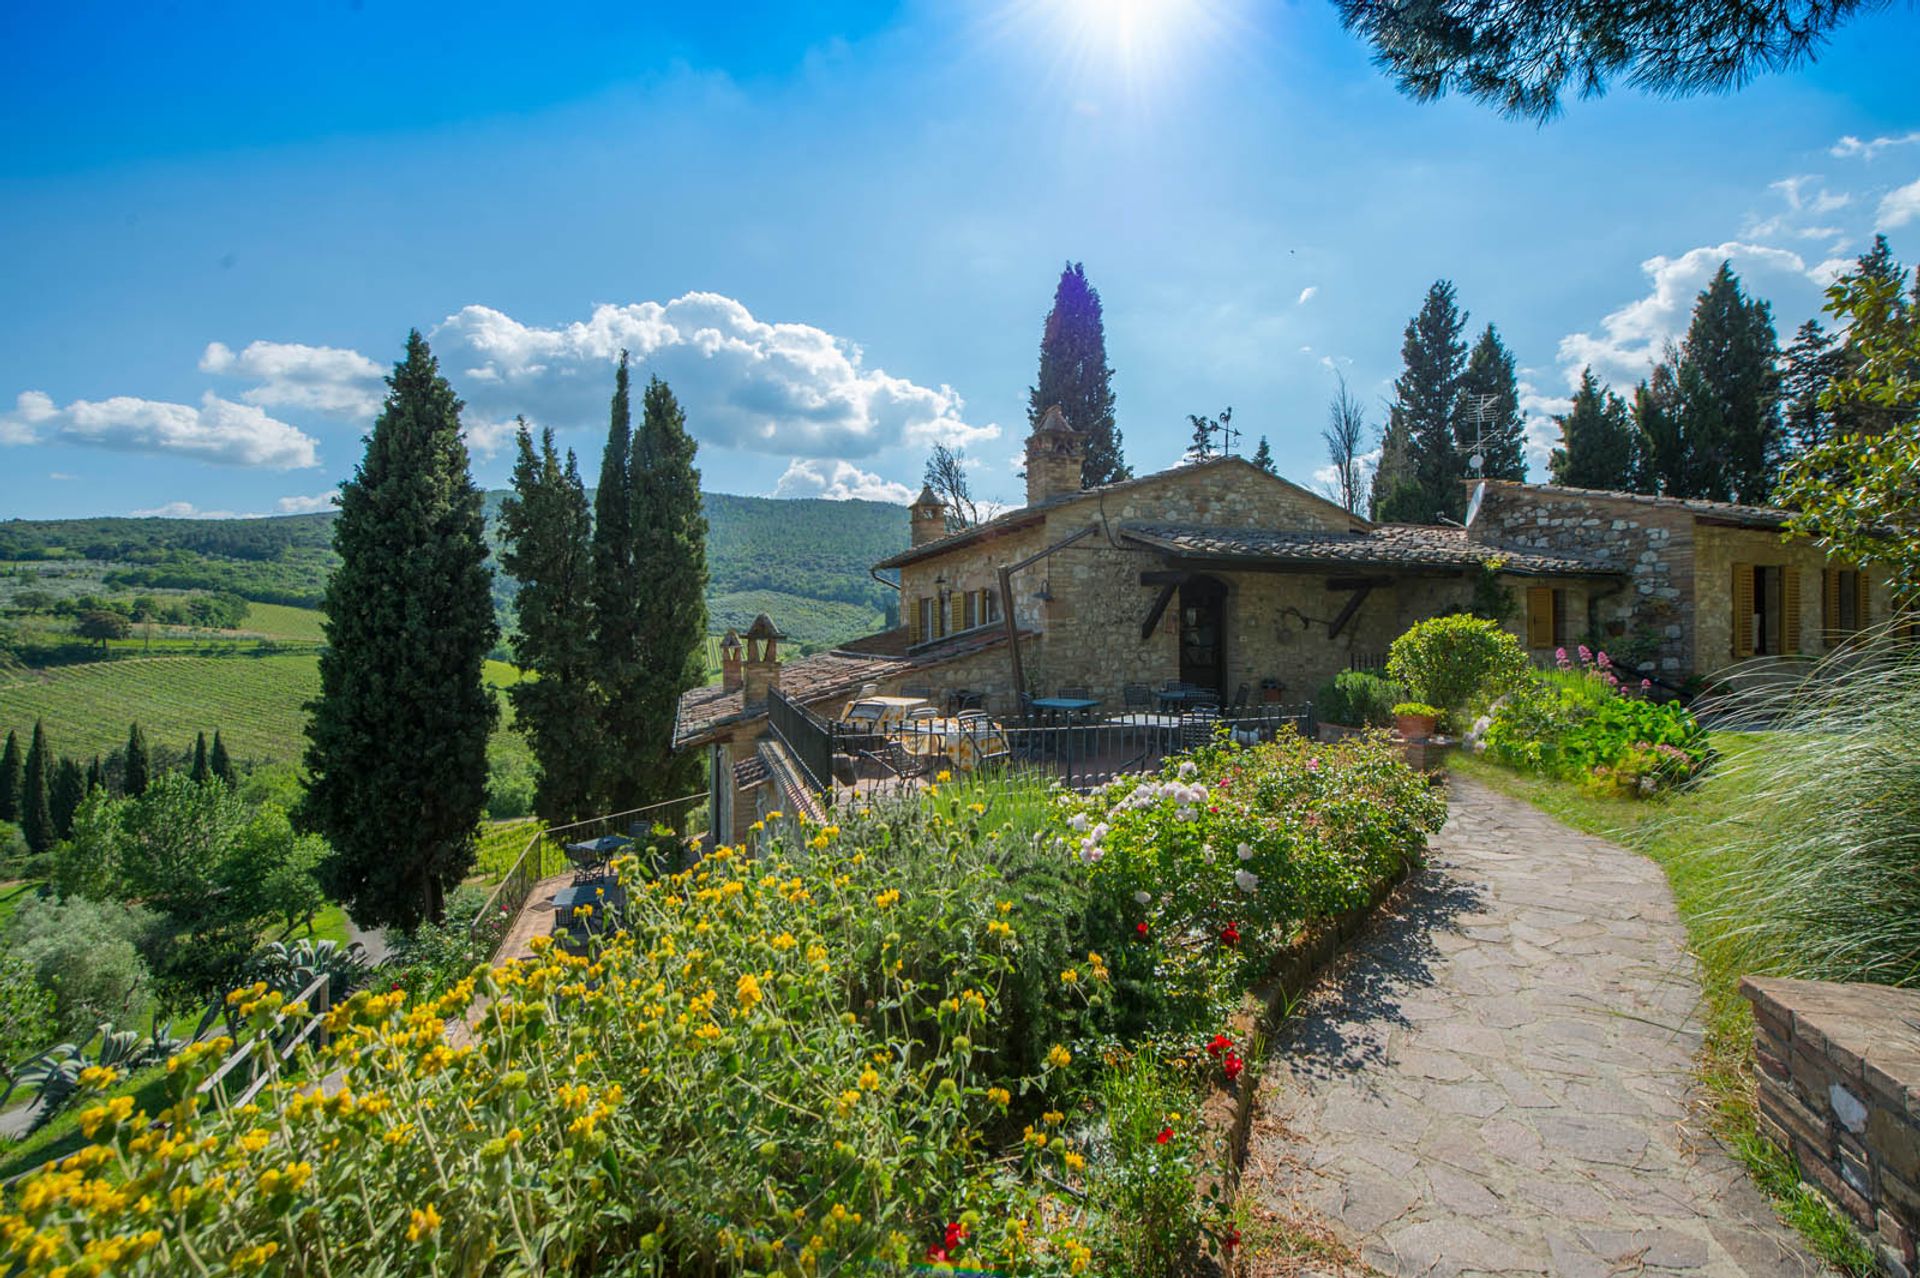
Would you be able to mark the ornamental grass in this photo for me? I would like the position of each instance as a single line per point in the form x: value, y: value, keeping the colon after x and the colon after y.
x: 938, y: 1033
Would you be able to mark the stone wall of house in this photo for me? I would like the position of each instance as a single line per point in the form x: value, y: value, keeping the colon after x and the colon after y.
x: 1839, y: 1086
x: 1718, y: 549
x: 1654, y: 545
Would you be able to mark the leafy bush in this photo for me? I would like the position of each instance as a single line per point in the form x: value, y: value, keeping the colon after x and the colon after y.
x: 1451, y: 661
x: 87, y: 953
x: 1416, y: 710
x: 26, y: 1012
x: 814, y: 1059
x: 1358, y: 699
x: 434, y: 957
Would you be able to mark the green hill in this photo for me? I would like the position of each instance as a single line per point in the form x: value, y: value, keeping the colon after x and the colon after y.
x: 804, y: 561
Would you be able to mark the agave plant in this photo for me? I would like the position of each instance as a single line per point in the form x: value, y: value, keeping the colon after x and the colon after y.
x: 56, y: 1071
x: 290, y: 968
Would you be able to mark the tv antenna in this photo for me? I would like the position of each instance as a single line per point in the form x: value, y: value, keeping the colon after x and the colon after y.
x: 1480, y: 410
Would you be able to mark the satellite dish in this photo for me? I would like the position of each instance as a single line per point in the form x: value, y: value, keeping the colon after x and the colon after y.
x: 1473, y: 503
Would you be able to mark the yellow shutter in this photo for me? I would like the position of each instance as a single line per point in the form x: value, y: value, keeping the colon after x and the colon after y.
x: 1539, y: 616
x: 913, y: 622
x: 959, y: 611
x: 1743, y: 610
x: 1790, y: 609
x: 1862, y: 593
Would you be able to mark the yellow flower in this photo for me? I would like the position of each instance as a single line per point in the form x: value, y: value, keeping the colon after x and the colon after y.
x: 255, y: 1257
x: 746, y: 992
x: 1059, y: 1057
x: 1006, y: 907
x: 976, y: 808
x: 784, y: 941
x: 1053, y: 1117
x: 943, y: 776
x: 869, y: 1080
x: 1071, y: 976
x: 425, y: 1221
x: 997, y: 928
x: 99, y: 1077
x: 847, y: 1100
x: 1034, y: 1137
x: 887, y: 899
x: 1075, y: 1162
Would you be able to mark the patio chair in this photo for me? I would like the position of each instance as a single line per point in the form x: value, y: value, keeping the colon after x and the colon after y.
x: 1197, y: 725
x: 964, y: 699
x: 893, y: 760
x: 1242, y: 695
x: 1136, y: 696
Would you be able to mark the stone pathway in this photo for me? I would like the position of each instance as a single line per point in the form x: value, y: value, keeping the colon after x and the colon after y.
x: 1496, y: 1079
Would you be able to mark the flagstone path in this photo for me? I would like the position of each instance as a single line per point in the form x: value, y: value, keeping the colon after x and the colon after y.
x: 1496, y: 1078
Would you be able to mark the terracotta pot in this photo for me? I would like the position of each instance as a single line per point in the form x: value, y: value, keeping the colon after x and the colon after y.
x: 1414, y: 727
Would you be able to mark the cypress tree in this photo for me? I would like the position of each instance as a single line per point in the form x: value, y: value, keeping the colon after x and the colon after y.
x: 1263, y: 457
x: 670, y: 537
x: 1597, y: 440
x: 1658, y: 436
x: 1729, y: 382
x: 1395, y: 495
x: 96, y: 775
x: 547, y: 546
x: 1074, y: 374
x: 138, y: 765
x: 36, y: 813
x: 10, y: 778
x: 397, y: 739
x: 64, y: 795
x: 1421, y: 418
x: 618, y: 658
x: 1490, y: 391
x: 221, y: 762
x: 201, y: 772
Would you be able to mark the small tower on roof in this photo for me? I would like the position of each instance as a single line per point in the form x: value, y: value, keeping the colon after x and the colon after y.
x: 1055, y: 453
x: 760, y: 671
x: 929, y: 517
x: 730, y: 676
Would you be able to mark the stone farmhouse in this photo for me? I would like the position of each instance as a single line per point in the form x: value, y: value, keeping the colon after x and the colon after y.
x: 1221, y: 575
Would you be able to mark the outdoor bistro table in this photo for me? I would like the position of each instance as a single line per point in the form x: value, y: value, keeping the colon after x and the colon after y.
x: 880, y: 713
x: 602, y: 896
x: 1180, y: 697
x: 1056, y: 707
x: 963, y: 742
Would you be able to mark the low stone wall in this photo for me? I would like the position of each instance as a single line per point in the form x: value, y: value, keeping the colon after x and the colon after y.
x: 1839, y: 1086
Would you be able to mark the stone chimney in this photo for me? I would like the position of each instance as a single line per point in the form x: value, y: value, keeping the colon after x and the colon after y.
x: 1055, y: 452
x: 929, y: 515
x: 760, y: 672
x: 730, y: 676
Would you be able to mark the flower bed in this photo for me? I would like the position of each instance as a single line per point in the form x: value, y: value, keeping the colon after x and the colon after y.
x: 949, y: 1030
x: 1581, y: 723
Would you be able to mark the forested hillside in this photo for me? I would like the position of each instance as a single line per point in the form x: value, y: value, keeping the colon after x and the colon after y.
x: 805, y: 561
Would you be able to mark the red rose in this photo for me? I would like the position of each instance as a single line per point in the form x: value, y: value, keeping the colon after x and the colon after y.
x: 1232, y: 1239
x: 1218, y: 1044
x: 956, y: 1234
x: 1166, y: 1134
x: 1141, y: 928
x: 937, y: 1254
x: 1232, y: 1065
x: 1230, y: 935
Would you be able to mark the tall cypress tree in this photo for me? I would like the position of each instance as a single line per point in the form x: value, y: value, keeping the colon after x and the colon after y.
x: 96, y: 775
x: 201, y: 772
x: 138, y: 765
x: 1074, y: 374
x: 221, y: 762
x: 10, y: 778
x: 1659, y: 435
x: 547, y: 546
x: 65, y: 793
x: 1597, y: 440
x: 618, y: 658
x: 1490, y: 410
x: 670, y: 537
x: 1729, y: 381
x: 36, y: 813
x: 1421, y: 419
x: 397, y: 739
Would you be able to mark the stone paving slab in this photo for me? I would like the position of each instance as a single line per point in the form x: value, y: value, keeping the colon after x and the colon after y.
x: 1495, y: 1080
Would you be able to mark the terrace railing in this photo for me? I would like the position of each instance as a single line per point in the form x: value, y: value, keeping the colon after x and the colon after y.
x: 542, y: 857
x: 808, y: 738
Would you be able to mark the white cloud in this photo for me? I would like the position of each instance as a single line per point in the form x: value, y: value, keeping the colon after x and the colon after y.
x: 1899, y: 206
x: 185, y: 510
x: 321, y: 379
x: 60, y: 475
x: 1631, y: 337
x: 1850, y: 146
x: 217, y: 430
x: 307, y: 505
x: 843, y: 481
x: 1542, y: 433
x: 1830, y: 270
x: 1306, y: 294
x: 744, y: 382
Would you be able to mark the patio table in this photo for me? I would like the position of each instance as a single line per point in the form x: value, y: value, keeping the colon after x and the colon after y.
x: 602, y: 896
x: 1068, y: 706
x: 1182, y: 697
x: 963, y: 742
x: 881, y: 713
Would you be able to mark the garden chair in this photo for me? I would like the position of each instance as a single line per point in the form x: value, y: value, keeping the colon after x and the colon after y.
x: 894, y: 761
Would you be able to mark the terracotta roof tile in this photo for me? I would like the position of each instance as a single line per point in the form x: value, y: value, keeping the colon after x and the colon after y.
x: 1383, y: 546
x: 1728, y: 511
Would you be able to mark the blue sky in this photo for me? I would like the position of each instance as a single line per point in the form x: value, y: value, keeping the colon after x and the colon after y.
x: 835, y: 229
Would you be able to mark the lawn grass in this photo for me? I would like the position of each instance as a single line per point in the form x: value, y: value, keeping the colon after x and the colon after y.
x: 1695, y: 836
x: 62, y: 1136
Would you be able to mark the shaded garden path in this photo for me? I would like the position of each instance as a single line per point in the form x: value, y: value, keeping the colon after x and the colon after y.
x: 1495, y: 1079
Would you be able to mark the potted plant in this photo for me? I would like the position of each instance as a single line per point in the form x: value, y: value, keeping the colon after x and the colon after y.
x: 1415, y: 719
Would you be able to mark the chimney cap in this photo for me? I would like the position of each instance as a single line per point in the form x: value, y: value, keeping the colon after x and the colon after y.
x: 927, y: 497
x: 730, y: 641
x: 1054, y: 422
x: 763, y: 628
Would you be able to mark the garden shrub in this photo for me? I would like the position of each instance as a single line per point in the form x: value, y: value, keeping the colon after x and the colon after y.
x: 819, y: 1058
x: 87, y: 953
x: 1358, y: 699
x: 1452, y: 661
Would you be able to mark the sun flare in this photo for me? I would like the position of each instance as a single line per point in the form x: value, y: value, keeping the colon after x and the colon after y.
x: 1131, y: 44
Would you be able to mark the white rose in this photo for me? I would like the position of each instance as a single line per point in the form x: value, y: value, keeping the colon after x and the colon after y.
x: 1079, y: 823
x: 1245, y: 851
x: 1247, y: 880
x: 1143, y: 897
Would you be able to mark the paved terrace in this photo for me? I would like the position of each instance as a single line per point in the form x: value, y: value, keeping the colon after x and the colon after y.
x: 1496, y: 1080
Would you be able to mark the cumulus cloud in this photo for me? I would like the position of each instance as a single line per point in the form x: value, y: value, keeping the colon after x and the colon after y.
x: 1631, y: 338
x: 1899, y: 206
x: 307, y: 505
x: 216, y: 430
x: 1850, y: 147
x: 185, y: 510
x: 1538, y: 411
x: 321, y: 379
x: 745, y: 383
x: 838, y: 481
x: 1306, y: 294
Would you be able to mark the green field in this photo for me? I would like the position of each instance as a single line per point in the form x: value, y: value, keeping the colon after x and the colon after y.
x: 255, y: 702
x: 279, y: 621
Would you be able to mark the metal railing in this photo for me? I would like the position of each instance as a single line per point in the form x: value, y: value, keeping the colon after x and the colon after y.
x: 531, y: 865
x: 808, y: 738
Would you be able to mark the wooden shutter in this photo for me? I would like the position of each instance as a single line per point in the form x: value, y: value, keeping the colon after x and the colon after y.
x: 1539, y: 616
x: 1861, y: 594
x: 1743, y: 610
x: 913, y: 622
x: 959, y: 621
x: 1789, y: 609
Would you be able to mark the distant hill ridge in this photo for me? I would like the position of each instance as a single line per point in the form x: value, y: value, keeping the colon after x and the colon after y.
x: 803, y: 559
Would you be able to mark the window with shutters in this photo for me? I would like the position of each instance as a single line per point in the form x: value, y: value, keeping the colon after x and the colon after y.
x: 972, y: 614
x: 1844, y: 603
x: 990, y: 602
x: 1766, y: 610
x: 925, y: 626
x: 1546, y: 617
